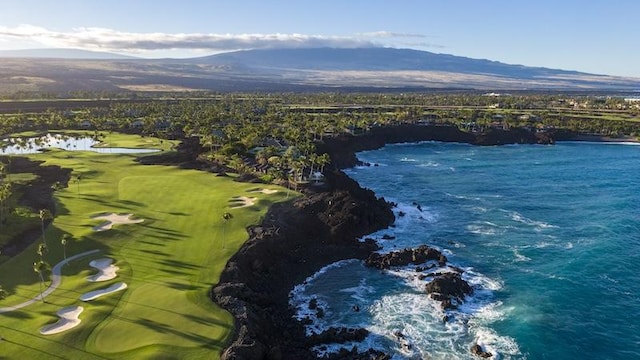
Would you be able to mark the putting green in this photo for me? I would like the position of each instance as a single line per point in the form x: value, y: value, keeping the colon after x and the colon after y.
x: 169, y: 261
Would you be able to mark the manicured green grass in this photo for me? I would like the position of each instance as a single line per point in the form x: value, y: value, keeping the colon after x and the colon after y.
x: 170, y: 261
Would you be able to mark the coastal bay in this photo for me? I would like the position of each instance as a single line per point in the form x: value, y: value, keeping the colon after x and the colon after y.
x: 313, y: 232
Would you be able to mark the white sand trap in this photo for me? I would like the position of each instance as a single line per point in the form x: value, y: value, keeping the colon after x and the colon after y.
x: 92, y: 295
x: 69, y: 318
x: 242, y: 201
x: 265, y: 191
x: 112, y: 219
x: 106, y: 271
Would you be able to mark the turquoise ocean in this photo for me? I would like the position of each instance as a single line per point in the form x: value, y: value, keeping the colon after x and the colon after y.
x: 549, y: 237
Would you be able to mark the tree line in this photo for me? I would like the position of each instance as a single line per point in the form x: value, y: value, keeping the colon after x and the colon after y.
x: 274, y: 135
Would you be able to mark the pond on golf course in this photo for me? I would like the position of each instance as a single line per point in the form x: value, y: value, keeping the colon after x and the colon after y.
x: 32, y: 145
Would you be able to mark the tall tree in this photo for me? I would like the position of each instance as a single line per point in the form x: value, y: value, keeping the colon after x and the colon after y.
x: 41, y: 267
x: 66, y: 239
x: 42, y: 251
x: 44, y: 214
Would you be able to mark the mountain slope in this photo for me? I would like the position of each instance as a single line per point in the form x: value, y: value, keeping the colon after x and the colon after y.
x: 372, y: 59
x: 320, y: 69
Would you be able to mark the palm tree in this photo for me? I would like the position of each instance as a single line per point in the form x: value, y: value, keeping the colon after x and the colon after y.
x: 323, y: 160
x: 225, y: 217
x: 44, y: 214
x: 42, y: 250
x: 66, y: 238
x: 40, y: 267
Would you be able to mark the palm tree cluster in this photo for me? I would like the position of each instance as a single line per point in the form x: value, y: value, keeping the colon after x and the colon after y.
x: 274, y: 135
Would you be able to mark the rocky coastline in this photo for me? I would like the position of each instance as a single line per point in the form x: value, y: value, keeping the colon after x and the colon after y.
x: 298, y: 238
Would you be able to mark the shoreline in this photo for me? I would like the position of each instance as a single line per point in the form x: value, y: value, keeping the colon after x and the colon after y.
x: 606, y: 139
x: 297, y: 239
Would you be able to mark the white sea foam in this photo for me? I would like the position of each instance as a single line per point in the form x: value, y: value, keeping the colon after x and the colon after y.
x: 335, y: 265
x: 484, y: 229
x: 525, y: 254
x: 369, y: 165
x: 412, y: 314
x: 410, y: 218
x: 386, y: 310
x: 300, y: 302
x: 481, y: 311
x: 627, y: 143
x: 464, y: 197
x: 361, y: 292
x: 608, y: 278
x: 543, y: 244
x: 500, y: 346
x: 299, y: 299
x: 327, y: 349
x: 457, y: 245
x: 419, y: 320
x: 479, y: 209
x: 519, y: 257
x: 539, y: 225
x: 480, y: 281
x: 430, y: 164
x: 413, y: 212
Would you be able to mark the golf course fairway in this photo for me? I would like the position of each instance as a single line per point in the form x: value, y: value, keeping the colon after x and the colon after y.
x: 169, y: 260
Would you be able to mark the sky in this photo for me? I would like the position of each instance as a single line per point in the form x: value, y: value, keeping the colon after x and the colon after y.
x: 595, y: 36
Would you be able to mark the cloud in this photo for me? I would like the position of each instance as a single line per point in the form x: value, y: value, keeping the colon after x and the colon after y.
x: 92, y: 38
x: 390, y: 34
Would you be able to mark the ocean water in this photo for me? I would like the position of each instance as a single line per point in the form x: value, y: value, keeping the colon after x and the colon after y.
x: 549, y: 236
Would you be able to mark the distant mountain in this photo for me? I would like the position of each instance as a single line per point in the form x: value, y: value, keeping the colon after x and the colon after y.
x: 316, y: 69
x: 372, y: 59
x: 63, y: 54
x: 397, y: 68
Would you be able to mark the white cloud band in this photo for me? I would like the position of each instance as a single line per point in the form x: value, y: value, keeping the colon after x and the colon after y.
x: 92, y: 38
x: 108, y: 39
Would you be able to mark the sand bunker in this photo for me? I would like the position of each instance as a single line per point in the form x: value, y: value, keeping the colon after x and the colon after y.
x: 265, y: 191
x: 92, y: 295
x: 69, y: 318
x: 112, y: 219
x: 241, y: 201
x: 106, y: 271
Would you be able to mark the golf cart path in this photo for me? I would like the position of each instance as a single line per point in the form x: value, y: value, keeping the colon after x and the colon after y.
x: 56, y: 279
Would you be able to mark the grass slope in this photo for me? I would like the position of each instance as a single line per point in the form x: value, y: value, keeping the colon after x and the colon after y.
x: 169, y: 261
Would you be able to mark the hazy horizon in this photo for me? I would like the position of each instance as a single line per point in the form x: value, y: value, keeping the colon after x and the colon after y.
x: 594, y: 37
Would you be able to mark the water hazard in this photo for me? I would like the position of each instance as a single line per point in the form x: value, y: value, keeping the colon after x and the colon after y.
x: 32, y: 145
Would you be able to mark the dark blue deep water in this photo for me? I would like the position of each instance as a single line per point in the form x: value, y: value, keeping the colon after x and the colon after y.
x: 549, y: 237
